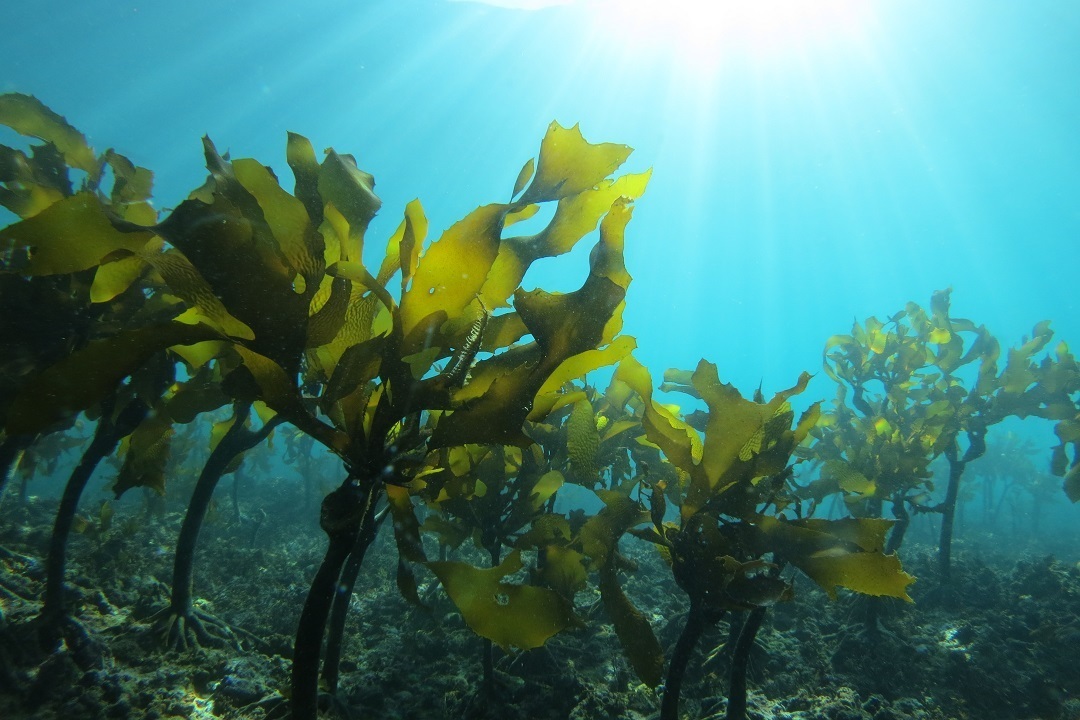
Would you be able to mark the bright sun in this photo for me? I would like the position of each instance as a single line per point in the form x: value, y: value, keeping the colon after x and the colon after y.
x: 702, y: 32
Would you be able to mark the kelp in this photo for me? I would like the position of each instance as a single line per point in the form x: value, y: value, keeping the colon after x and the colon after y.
x: 446, y: 388
x: 562, y: 325
x: 509, y: 614
x: 599, y: 539
x: 733, y: 475
x: 91, y: 374
x: 904, y: 399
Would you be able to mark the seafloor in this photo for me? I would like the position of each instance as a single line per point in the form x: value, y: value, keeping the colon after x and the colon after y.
x: 1004, y: 644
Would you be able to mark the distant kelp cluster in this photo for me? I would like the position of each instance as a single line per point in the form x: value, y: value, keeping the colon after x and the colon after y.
x: 457, y: 401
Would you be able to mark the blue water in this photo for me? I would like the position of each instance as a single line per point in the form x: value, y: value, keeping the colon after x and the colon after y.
x: 802, y: 180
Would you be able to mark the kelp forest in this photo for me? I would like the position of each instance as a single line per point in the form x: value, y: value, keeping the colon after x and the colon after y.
x: 258, y: 463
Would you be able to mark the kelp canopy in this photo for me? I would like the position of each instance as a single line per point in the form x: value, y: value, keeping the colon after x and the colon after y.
x: 455, y: 399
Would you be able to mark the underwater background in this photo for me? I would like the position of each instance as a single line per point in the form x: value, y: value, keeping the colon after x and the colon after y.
x: 813, y: 165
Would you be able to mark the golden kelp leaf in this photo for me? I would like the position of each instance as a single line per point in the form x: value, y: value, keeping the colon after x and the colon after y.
x: 90, y: 374
x: 846, y: 346
x: 358, y: 326
x: 29, y: 198
x: 462, y: 459
x: 509, y: 615
x: 265, y: 414
x: 199, y: 354
x: 633, y: 630
x: 391, y: 262
x: 679, y: 442
x: 414, y: 233
x: 115, y: 276
x: 544, y: 405
x: 271, y: 384
x: 300, y: 155
x: 939, y: 336
x: 131, y: 190
x: 363, y: 284
x: 563, y: 325
x: 808, y: 421
x: 451, y: 273
x: 352, y: 192
x: 868, y: 533
x: 864, y: 572
x: 524, y: 176
x: 147, y: 455
x: 939, y: 306
x: 876, y: 335
x: 27, y: 115
x: 105, y: 516
x: 832, y: 561
x: 612, y: 429
x: 581, y: 364
x: 734, y: 423
x: 188, y: 283
x: 545, y: 530
x: 848, y: 478
x: 225, y: 234
x: 275, y: 387
x: 680, y: 381
x: 286, y: 217
x: 358, y: 365
x: 571, y: 323
x: 582, y: 443
x: 520, y: 215
x: 563, y: 570
x: 502, y: 331
x: 406, y: 526
x: 450, y: 534
x: 752, y: 446
x: 336, y: 237
x: 569, y: 164
x: 218, y: 430
x: 201, y: 393
x: 548, y: 484
x: 1072, y: 484
x: 579, y: 215
x: 600, y: 534
x: 574, y: 218
x: 325, y: 323
x: 406, y: 584
x: 68, y: 236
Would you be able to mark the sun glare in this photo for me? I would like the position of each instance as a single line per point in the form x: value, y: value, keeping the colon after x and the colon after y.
x: 703, y: 32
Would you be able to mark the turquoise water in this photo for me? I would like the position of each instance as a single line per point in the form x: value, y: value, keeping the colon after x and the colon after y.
x: 809, y: 169
x: 813, y: 163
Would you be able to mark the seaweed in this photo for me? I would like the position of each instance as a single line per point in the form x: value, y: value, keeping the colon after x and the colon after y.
x: 457, y: 405
x: 913, y: 398
x: 733, y: 510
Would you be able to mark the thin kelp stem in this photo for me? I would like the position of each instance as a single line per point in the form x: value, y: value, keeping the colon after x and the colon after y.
x: 339, y: 611
x: 684, y: 648
x: 737, y: 691
x: 106, y: 436
x: 344, y: 514
x: 957, y: 464
x: 487, y: 657
x: 237, y: 440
